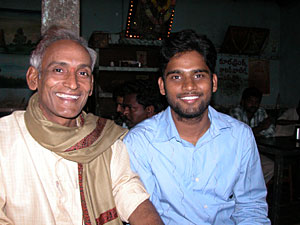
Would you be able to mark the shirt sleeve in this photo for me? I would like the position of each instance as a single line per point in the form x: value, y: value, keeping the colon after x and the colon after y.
x: 128, y: 191
x: 250, y: 190
x: 3, y: 218
x: 270, y: 131
x: 236, y: 113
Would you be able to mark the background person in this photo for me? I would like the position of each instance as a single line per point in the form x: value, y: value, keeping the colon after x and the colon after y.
x: 199, y: 166
x: 118, y: 98
x: 250, y: 112
x: 59, y: 165
x: 286, y: 123
x: 142, y: 100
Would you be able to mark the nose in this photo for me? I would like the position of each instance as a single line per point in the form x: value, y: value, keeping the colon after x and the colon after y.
x: 71, y: 80
x: 126, y: 111
x: 189, y: 83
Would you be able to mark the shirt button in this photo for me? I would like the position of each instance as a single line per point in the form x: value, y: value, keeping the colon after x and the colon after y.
x: 205, y: 206
x: 197, y: 179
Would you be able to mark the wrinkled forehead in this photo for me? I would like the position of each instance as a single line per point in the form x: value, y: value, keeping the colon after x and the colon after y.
x: 67, y: 50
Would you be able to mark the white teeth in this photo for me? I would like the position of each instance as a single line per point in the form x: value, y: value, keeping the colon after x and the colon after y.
x: 190, y: 97
x: 67, y: 96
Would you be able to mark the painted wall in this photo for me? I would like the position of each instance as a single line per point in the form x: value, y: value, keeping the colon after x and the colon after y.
x: 208, y: 17
x: 212, y: 18
x: 290, y: 55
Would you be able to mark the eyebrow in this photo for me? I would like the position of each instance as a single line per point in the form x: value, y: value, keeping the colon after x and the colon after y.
x: 181, y: 71
x: 64, y: 64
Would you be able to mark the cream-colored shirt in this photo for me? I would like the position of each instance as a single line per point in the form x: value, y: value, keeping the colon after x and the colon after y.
x: 39, y: 187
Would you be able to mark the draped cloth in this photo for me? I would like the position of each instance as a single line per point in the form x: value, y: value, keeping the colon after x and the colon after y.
x: 88, y: 144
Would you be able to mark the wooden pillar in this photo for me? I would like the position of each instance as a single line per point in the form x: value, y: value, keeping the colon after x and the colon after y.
x: 60, y: 12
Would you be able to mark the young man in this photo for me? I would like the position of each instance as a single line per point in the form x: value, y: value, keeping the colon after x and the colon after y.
x: 59, y: 165
x: 250, y: 112
x: 199, y: 166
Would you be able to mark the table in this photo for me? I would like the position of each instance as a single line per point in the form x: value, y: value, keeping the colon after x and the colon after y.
x: 284, y: 150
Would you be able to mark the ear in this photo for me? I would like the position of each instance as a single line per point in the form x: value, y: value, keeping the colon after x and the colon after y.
x: 32, y: 77
x: 214, y: 82
x: 161, y: 86
x: 92, y: 85
x: 150, y: 111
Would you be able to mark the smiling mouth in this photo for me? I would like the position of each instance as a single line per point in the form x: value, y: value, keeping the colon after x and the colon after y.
x: 66, y: 96
x: 189, y: 98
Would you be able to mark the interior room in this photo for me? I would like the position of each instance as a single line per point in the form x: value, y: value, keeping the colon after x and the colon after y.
x: 257, y: 43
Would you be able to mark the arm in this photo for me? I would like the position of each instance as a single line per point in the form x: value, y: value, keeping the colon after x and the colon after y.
x: 3, y: 218
x: 250, y: 190
x: 265, y: 125
x: 130, y: 195
x: 145, y: 214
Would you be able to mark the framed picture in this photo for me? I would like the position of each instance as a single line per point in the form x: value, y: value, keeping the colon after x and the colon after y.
x: 19, y: 30
x: 150, y: 19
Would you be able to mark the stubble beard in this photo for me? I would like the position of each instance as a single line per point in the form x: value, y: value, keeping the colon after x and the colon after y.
x: 185, y: 114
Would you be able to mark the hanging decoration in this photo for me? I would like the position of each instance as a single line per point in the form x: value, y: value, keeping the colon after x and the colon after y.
x: 150, y: 19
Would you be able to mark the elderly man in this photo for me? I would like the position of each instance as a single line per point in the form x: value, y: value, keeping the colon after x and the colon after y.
x: 59, y: 165
x: 199, y: 166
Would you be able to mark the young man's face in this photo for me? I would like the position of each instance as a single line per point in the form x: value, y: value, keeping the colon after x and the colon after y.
x: 188, y: 84
x: 65, y: 83
x: 251, y: 104
x: 133, y: 111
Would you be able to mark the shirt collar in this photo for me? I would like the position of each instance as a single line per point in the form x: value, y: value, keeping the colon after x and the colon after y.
x: 168, y: 129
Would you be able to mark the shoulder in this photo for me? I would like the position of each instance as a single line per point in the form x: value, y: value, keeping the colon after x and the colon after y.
x: 148, y: 129
x: 236, y: 110
x: 9, y: 122
x: 228, y: 123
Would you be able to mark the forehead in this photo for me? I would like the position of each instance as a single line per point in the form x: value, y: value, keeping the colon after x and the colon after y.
x: 187, y: 60
x: 67, y: 49
x: 131, y: 98
x: 252, y: 99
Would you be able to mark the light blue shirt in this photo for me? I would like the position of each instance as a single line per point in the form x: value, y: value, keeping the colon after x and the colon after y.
x: 218, y: 181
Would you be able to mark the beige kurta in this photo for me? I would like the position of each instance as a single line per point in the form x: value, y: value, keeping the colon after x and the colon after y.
x: 39, y: 187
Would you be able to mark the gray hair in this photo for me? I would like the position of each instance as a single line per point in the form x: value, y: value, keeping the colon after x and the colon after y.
x: 53, y: 34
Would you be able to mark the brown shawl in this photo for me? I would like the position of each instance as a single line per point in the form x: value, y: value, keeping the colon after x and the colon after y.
x: 90, y: 146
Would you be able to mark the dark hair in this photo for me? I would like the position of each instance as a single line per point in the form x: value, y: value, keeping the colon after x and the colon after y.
x: 252, y: 92
x: 184, y: 41
x: 147, y: 93
x: 118, y: 91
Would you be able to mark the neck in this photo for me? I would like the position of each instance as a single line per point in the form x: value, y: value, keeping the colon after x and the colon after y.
x: 191, y: 129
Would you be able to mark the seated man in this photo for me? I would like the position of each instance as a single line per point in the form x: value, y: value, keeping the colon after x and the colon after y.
x: 59, y: 165
x: 286, y: 123
x: 250, y: 112
x: 200, y: 166
x: 142, y: 100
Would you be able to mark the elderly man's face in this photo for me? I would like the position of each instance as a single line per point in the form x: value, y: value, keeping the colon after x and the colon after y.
x: 66, y: 82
